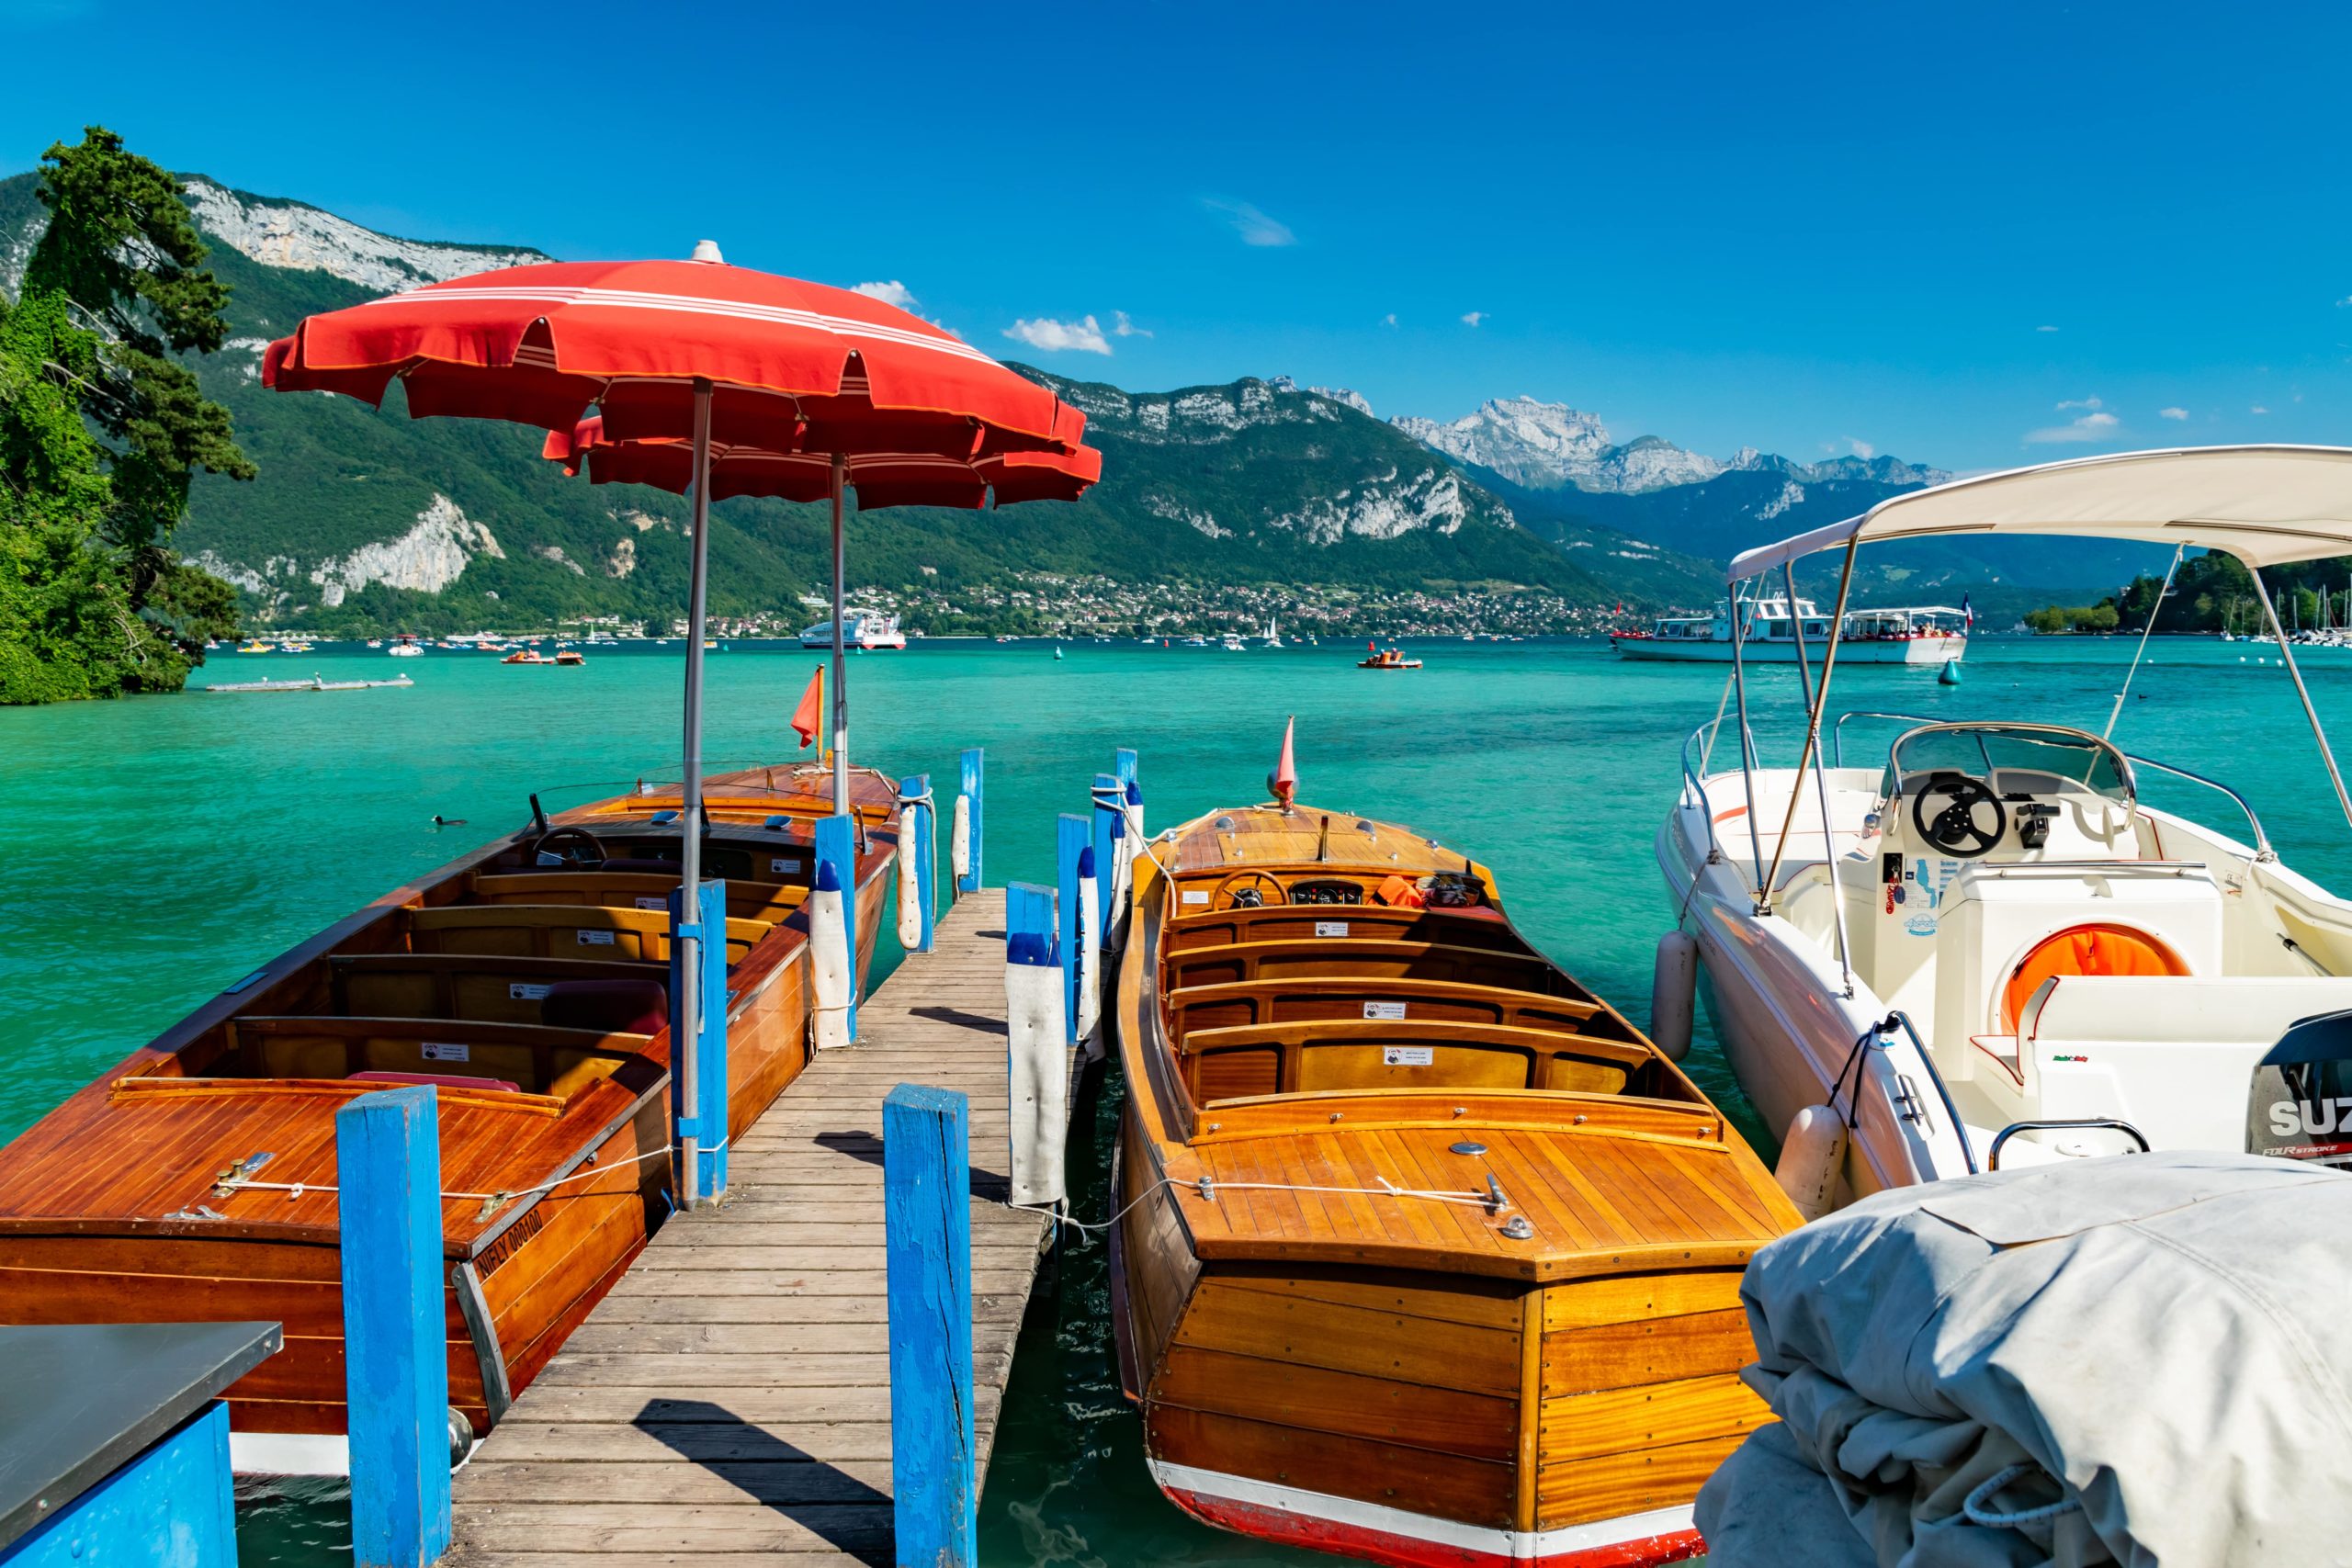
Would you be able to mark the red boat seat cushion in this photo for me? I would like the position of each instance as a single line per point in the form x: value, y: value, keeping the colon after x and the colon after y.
x: 609, y: 1007
x: 446, y: 1081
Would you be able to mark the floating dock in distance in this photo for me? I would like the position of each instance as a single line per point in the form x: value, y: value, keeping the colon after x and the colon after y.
x: 732, y: 1394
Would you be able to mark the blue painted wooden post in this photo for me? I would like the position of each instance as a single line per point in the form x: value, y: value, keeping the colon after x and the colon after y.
x: 171, y: 1504
x: 970, y: 779
x: 918, y: 789
x: 1029, y: 924
x: 705, y: 1121
x: 1122, y: 765
x: 1071, y: 835
x: 395, y: 1334
x: 927, y: 1221
x: 1109, y: 797
x: 837, y: 844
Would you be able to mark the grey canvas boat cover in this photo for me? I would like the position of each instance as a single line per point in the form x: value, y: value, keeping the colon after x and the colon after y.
x: 2140, y: 1359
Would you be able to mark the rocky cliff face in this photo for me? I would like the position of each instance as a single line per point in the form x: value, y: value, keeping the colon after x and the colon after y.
x: 289, y: 234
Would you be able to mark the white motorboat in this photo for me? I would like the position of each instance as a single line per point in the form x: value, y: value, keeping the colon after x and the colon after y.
x: 1233, y: 643
x: 864, y: 629
x: 1979, y: 945
x: 1909, y: 634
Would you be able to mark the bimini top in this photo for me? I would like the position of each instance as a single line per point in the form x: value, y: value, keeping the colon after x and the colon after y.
x: 2263, y: 504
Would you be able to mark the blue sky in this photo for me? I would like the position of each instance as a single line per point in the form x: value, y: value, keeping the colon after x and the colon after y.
x: 1972, y: 235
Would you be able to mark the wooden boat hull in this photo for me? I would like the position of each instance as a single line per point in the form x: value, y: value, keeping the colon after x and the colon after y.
x: 1334, y: 1345
x: 111, y: 1214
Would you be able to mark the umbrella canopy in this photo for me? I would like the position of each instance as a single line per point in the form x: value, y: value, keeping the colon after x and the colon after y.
x: 696, y: 357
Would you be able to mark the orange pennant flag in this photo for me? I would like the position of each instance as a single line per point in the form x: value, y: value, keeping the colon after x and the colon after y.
x: 809, y: 718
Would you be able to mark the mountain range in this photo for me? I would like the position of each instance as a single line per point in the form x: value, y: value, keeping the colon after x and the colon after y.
x: 364, y: 518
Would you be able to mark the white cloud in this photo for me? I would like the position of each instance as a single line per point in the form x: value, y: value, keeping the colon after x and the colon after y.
x: 2172, y: 414
x: 1862, y: 448
x: 2089, y: 427
x: 2045, y: 329
x: 890, y: 293
x: 1474, y: 318
x: 1122, y: 327
x: 1086, y: 336
x: 1254, y: 227
x: 2081, y: 403
x: 1389, y: 320
x: 2257, y: 409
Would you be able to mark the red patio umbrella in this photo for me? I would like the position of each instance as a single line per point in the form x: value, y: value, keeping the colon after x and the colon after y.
x: 691, y: 353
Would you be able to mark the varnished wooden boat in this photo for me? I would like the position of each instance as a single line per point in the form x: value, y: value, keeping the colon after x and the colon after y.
x: 1431, y: 1258
x: 536, y: 997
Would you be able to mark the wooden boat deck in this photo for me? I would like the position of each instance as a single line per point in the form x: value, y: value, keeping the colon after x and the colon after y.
x: 732, y: 1394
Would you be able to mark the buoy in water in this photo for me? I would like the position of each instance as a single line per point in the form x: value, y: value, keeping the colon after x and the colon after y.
x: 1811, y: 1157
x: 1672, y: 985
x: 1950, y: 674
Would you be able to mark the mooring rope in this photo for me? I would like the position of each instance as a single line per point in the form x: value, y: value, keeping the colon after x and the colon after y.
x: 1206, y: 1188
x: 229, y: 1186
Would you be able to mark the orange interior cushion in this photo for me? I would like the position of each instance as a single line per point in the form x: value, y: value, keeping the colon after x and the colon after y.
x: 2086, y: 950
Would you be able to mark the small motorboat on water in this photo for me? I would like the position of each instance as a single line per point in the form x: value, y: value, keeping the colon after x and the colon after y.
x: 527, y: 656
x: 315, y: 683
x: 1978, y: 944
x: 1387, y: 658
x: 863, y: 630
x: 257, y: 646
x: 571, y: 656
x: 1425, y: 1254
x: 407, y: 648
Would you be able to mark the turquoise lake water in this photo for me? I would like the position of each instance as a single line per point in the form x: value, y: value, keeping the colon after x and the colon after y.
x: 159, y: 848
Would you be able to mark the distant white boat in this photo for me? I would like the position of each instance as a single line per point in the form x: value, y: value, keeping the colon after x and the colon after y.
x: 1918, y: 634
x: 1273, y: 636
x: 860, y: 629
x: 1233, y: 643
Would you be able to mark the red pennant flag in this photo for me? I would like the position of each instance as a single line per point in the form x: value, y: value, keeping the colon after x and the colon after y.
x: 809, y: 718
x: 1284, y: 780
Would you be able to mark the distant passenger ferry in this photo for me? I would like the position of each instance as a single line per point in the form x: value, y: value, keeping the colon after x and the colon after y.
x: 859, y: 629
x: 1918, y: 634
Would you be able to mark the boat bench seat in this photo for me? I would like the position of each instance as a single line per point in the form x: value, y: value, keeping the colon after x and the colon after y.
x: 778, y: 864
x: 1327, y: 922
x: 1359, y: 1054
x: 1237, y: 1002
x: 1370, y: 958
x: 559, y: 1062
x: 562, y: 931
x: 770, y: 901
x: 491, y: 987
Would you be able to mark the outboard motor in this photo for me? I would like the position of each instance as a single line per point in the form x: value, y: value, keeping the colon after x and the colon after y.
x: 2300, y: 1107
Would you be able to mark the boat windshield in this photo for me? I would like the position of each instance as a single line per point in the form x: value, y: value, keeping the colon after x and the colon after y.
x: 2041, y: 759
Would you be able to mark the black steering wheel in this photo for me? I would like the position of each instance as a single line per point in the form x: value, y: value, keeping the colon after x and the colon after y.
x: 1955, y: 828
x: 590, y: 851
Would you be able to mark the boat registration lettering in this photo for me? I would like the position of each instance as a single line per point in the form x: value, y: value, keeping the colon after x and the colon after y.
x: 648, y: 901
x: 442, y: 1051
x: 1330, y: 928
x: 1196, y: 896
x: 522, y: 992
x: 1392, y: 1011
x: 784, y: 867
x: 595, y: 939
x: 1408, y: 1055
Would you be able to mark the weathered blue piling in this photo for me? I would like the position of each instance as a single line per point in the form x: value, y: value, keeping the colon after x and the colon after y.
x: 916, y: 792
x: 1122, y: 765
x: 837, y: 846
x: 970, y: 776
x: 705, y: 1120
x: 395, y: 1338
x: 927, y: 1217
x: 1071, y: 835
x: 1110, y: 800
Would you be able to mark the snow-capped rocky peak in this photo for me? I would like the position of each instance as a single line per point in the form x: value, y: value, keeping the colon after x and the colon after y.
x: 1355, y: 400
x: 1527, y: 442
x: 289, y: 234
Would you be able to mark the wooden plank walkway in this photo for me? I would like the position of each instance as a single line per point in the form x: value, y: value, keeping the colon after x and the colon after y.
x: 731, y: 1395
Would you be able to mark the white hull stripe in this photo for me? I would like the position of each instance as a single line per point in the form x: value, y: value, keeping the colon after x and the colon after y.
x: 631, y: 299
x: 1516, y: 1545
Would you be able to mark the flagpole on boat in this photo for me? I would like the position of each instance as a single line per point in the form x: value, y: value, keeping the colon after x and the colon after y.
x: 840, y: 659
x: 684, y: 1061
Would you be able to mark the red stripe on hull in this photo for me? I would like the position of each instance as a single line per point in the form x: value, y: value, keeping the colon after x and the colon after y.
x: 1411, y: 1552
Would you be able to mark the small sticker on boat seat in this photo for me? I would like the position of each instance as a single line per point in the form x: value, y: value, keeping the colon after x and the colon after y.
x: 1330, y: 928
x: 441, y: 1050
x: 522, y: 992
x: 784, y: 867
x: 595, y: 939
x: 1408, y: 1055
x: 1196, y: 896
x: 650, y: 901
x: 1390, y: 1010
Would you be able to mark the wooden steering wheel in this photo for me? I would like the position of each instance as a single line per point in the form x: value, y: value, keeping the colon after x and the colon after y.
x: 587, y: 842
x: 1228, y: 898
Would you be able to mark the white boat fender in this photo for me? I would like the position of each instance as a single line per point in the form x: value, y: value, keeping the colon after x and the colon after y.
x: 829, y: 965
x: 909, y: 884
x: 1039, y: 1085
x: 1673, y: 984
x: 1115, y: 929
x: 1090, y: 954
x: 960, y: 839
x: 1811, y: 1157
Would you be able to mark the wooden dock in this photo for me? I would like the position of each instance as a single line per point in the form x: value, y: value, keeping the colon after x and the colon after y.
x: 731, y: 1396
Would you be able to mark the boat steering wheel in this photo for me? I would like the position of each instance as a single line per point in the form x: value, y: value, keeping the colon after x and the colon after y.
x: 1955, y: 829
x: 1249, y: 898
x: 589, y: 846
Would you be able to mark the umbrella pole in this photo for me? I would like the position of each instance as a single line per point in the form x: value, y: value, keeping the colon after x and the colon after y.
x: 684, y: 1059
x: 841, y: 660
